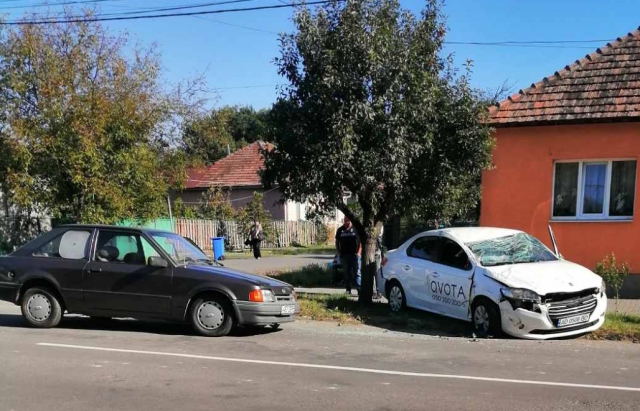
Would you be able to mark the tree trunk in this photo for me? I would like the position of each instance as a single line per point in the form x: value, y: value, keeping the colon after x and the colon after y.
x: 368, y: 268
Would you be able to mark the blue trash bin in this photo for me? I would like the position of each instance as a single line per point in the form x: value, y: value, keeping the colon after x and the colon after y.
x: 218, y: 248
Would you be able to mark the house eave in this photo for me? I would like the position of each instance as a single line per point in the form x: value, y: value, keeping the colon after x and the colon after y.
x: 514, y: 124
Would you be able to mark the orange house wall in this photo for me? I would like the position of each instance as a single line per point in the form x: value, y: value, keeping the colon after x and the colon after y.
x: 517, y: 192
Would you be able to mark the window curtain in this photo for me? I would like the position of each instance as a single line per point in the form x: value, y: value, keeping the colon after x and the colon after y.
x: 623, y: 188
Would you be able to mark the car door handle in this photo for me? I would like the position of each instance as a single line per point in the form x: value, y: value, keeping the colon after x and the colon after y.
x: 94, y: 270
x: 407, y: 268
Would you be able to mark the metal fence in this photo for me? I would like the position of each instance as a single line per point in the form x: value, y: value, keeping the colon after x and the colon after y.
x: 283, y: 233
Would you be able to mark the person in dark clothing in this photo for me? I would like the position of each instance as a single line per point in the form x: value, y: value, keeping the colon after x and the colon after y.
x: 256, y: 236
x: 348, y: 245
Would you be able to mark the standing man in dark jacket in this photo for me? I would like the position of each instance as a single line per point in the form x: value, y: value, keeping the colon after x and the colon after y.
x: 348, y: 245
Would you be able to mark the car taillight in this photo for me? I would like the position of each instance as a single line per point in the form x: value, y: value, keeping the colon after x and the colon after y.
x: 256, y: 296
x: 384, y: 261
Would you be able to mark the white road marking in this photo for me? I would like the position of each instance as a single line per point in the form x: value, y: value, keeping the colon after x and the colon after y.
x: 353, y: 369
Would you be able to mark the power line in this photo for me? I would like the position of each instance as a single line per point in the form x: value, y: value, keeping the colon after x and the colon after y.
x: 175, y: 8
x: 235, y: 25
x: 155, y: 16
x: 251, y: 86
x: 65, y: 3
x: 131, y: 15
x: 529, y: 45
x: 528, y: 42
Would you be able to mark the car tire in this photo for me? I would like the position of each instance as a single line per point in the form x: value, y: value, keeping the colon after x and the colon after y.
x: 396, y: 297
x: 486, y: 318
x: 41, y: 308
x: 212, y: 316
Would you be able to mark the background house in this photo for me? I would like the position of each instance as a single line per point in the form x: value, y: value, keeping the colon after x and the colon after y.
x: 239, y: 173
x: 566, y: 155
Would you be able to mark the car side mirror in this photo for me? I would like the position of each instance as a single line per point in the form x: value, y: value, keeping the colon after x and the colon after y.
x: 157, y: 262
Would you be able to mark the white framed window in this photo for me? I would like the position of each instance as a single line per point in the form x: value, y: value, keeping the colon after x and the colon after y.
x: 594, y: 189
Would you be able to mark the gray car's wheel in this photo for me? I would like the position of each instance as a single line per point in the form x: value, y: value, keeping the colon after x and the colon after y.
x: 396, y: 297
x: 212, y: 316
x: 41, y: 308
x: 486, y: 318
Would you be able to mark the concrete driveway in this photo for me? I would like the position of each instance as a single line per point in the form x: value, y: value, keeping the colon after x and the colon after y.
x: 276, y: 263
x: 132, y: 365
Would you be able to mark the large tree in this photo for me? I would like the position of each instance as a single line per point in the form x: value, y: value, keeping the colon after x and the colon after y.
x: 208, y: 138
x: 211, y: 136
x: 372, y: 108
x: 85, y: 123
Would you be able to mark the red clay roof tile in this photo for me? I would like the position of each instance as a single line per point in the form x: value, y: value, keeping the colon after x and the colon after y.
x: 604, y: 85
x: 240, y: 169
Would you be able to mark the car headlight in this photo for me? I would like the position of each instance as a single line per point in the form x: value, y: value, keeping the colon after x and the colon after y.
x: 520, y: 294
x: 268, y: 296
x: 262, y: 296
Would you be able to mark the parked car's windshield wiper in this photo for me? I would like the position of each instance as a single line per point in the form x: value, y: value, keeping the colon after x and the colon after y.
x: 525, y: 261
x: 499, y: 263
x: 191, y: 260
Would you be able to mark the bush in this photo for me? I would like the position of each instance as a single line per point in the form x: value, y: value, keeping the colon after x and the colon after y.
x: 613, y: 275
x: 312, y: 275
x: 322, y: 233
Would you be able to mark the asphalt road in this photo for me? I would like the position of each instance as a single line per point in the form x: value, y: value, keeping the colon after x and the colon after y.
x: 130, y: 365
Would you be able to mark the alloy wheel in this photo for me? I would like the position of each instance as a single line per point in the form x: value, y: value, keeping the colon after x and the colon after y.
x: 481, y: 319
x: 395, y: 298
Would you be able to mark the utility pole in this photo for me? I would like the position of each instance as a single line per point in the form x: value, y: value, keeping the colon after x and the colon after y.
x: 170, y: 212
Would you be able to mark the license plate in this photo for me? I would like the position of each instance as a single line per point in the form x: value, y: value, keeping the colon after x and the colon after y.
x: 288, y: 309
x: 563, y: 322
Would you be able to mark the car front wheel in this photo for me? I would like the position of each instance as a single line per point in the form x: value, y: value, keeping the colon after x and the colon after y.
x: 212, y: 316
x: 397, y: 300
x: 41, y: 308
x: 486, y: 318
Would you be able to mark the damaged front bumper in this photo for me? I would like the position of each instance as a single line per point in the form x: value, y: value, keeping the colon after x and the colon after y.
x: 537, y: 325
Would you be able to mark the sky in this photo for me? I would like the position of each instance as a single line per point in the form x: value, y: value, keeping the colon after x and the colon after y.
x: 238, y: 61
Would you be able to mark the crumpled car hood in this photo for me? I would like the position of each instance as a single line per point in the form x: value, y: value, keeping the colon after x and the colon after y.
x: 545, y: 277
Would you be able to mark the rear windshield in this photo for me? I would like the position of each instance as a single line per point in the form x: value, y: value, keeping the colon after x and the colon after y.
x: 513, y: 249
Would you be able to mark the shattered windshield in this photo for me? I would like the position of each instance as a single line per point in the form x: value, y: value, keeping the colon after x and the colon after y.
x: 513, y: 249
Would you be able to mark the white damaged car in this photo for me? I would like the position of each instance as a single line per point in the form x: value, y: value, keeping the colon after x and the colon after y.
x: 501, y: 280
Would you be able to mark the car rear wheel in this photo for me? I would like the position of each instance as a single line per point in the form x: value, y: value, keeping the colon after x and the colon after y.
x: 212, y: 316
x: 486, y: 318
x: 397, y: 300
x: 41, y: 308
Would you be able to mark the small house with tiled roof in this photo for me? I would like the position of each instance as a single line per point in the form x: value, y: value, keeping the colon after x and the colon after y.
x: 566, y: 155
x: 239, y: 174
